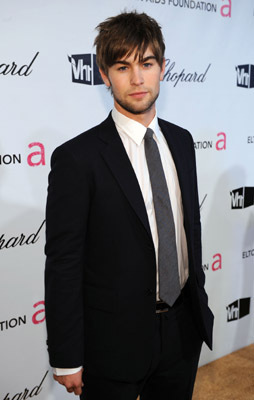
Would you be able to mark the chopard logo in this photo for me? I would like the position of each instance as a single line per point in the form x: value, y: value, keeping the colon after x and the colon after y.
x: 14, y: 69
x: 27, y: 393
x: 21, y: 240
x: 184, y: 77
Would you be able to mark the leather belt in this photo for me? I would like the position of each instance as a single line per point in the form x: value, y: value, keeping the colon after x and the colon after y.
x: 161, y: 307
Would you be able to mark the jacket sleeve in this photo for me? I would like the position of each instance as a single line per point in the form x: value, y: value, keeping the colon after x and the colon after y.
x: 200, y: 275
x: 67, y: 212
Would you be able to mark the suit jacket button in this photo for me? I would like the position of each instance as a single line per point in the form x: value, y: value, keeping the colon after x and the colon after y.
x: 149, y: 292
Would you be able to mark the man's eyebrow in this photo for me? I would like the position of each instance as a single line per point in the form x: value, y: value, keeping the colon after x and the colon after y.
x: 142, y: 60
x: 121, y: 62
x: 148, y: 58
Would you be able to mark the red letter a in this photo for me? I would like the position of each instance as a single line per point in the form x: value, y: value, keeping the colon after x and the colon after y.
x: 228, y: 7
x: 218, y: 261
x: 34, y: 317
x: 36, y: 153
x: 222, y: 141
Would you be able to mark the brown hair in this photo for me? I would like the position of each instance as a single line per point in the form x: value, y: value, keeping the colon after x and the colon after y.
x: 119, y: 36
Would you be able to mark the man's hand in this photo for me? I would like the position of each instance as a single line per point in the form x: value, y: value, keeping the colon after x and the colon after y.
x: 73, y: 383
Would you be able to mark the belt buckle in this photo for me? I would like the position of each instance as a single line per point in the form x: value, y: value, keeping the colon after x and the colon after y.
x: 161, y: 311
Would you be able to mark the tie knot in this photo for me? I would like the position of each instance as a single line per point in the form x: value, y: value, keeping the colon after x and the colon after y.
x: 149, y: 133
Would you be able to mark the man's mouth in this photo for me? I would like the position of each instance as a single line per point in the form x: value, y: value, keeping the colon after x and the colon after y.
x: 138, y: 95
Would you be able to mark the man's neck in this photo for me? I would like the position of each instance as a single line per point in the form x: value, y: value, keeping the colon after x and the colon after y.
x: 144, y: 118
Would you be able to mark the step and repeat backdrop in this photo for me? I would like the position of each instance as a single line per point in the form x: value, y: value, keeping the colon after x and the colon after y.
x: 51, y: 91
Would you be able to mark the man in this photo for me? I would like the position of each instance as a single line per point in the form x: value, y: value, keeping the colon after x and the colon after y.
x: 126, y: 307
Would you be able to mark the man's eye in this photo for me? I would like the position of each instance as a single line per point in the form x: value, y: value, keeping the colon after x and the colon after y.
x: 147, y: 65
x: 123, y: 68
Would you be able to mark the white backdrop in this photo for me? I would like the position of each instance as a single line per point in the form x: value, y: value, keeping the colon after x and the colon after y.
x: 208, y: 89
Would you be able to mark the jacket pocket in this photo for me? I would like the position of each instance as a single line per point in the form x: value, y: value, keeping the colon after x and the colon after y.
x: 103, y: 299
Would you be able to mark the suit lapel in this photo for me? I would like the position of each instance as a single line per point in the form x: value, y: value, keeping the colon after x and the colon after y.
x: 118, y: 161
x: 180, y: 159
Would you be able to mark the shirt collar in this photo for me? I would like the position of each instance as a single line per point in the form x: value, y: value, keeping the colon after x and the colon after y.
x: 132, y: 128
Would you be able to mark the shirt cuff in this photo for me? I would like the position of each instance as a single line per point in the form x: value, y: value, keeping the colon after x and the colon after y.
x: 66, y: 371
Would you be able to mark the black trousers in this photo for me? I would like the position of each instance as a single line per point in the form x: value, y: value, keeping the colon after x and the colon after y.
x: 172, y: 373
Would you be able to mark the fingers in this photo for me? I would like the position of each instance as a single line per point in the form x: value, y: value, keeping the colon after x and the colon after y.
x: 73, y: 383
x: 77, y: 390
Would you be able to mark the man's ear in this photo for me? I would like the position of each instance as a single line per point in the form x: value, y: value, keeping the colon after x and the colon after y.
x: 162, y: 70
x: 105, y: 78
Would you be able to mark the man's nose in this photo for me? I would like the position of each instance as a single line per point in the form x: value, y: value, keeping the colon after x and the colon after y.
x: 137, y: 76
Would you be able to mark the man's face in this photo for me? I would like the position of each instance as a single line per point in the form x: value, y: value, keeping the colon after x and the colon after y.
x: 135, y: 84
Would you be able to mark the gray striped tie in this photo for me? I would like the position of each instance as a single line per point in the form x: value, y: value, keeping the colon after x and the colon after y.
x: 169, y: 283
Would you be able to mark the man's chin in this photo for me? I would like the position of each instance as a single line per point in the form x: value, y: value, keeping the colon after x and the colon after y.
x: 139, y: 112
x: 136, y: 110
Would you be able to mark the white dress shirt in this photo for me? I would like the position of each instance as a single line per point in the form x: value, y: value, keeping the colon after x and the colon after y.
x: 132, y: 135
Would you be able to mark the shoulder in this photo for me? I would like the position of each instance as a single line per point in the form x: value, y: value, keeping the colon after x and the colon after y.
x: 175, y: 131
x: 88, y: 137
x: 86, y: 144
x: 169, y: 126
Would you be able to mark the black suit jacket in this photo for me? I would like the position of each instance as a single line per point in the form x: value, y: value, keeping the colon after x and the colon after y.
x: 100, y: 270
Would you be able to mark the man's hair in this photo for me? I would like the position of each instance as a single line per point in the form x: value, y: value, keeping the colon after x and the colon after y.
x: 126, y: 33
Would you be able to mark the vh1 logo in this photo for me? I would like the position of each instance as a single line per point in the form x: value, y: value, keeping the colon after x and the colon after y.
x: 245, y: 76
x: 85, y: 69
x: 242, y: 197
x: 238, y: 309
